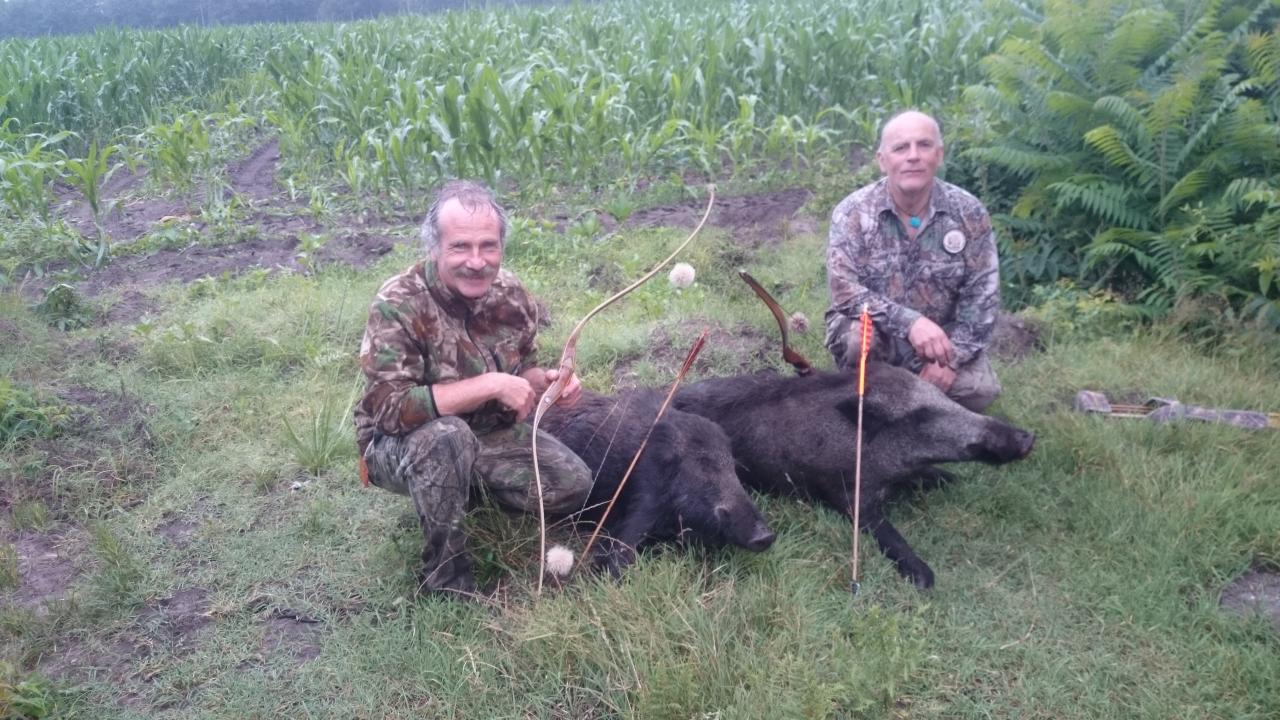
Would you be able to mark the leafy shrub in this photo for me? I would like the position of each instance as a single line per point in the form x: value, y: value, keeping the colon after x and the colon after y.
x: 1141, y: 139
x: 64, y: 308
x: 1063, y: 310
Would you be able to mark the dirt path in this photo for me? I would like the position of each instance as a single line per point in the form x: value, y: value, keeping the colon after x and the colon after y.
x: 254, y: 178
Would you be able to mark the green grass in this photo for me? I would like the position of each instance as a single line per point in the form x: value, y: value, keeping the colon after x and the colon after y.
x: 1081, y: 582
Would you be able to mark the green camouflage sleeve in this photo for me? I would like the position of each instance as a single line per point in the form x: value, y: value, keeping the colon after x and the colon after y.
x: 529, y: 340
x: 978, y: 301
x: 849, y: 255
x: 394, y: 398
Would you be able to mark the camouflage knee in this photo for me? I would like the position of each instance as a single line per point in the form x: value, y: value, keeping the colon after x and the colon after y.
x: 441, y: 453
x: 845, y: 346
x: 505, y: 467
x: 975, y: 386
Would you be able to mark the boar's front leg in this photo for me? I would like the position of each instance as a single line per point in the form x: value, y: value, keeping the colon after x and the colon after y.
x: 895, y: 547
x: 618, y: 547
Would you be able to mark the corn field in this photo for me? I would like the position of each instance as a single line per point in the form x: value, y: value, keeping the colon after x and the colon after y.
x: 581, y: 94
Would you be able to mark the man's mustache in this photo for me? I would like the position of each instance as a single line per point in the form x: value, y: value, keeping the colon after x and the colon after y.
x: 467, y: 273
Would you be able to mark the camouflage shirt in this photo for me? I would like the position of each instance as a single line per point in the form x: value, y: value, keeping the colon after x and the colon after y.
x: 949, y: 273
x: 421, y: 334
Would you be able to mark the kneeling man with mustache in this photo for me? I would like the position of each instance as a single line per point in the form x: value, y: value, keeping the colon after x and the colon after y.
x: 450, y: 360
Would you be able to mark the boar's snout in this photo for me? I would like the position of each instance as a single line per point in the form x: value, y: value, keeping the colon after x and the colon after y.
x: 744, y: 527
x: 762, y: 541
x: 1004, y: 443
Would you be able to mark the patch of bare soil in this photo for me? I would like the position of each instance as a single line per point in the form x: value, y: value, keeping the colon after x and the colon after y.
x: 125, y: 220
x: 254, y: 178
x: 1255, y: 592
x: 131, y: 305
x: 174, y: 622
x: 164, y: 629
x: 73, y: 660
x: 107, y: 438
x: 1014, y: 338
x: 177, y: 530
x: 45, y: 568
x: 10, y: 332
x: 747, y: 346
x: 298, y: 637
x: 758, y: 219
x: 132, y: 276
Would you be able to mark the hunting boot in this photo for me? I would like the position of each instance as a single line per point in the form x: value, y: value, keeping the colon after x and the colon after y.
x: 446, y: 564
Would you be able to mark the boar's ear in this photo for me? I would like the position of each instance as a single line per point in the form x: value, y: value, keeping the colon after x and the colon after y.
x: 874, y: 414
x: 662, y: 450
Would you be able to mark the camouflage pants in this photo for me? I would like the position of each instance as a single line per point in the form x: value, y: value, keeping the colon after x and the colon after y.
x: 975, y: 386
x: 437, y: 464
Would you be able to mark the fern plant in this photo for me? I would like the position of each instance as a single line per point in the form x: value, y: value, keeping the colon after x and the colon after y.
x: 1140, y: 145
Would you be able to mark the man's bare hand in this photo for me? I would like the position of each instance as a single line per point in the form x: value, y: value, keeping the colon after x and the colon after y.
x: 572, y: 389
x: 931, y: 342
x: 515, y: 393
x: 938, y: 375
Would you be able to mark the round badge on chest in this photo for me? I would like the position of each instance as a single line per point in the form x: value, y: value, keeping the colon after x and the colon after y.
x: 953, y: 241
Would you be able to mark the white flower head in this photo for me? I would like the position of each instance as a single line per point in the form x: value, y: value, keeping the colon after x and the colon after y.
x: 559, y: 560
x: 799, y: 323
x: 681, y: 275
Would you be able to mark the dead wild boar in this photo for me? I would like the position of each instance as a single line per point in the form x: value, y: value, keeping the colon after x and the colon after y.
x: 796, y: 435
x: 683, y: 483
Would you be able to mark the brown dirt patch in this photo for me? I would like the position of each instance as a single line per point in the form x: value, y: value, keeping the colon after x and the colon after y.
x: 1255, y: 592
x: 1014, y: 338
x: 45, y: 569
x: 174, y: 622
x: 126, y: 219
x: 254, y: 178
x: 177, y: 530
x: 74, y: 660
x: 738, y: 350
x: 131, y: 305
x: 299, y: 639
x: 760, y: 218
x: 165, y: 629
x: 10, y: 332
x: 106, y: 437
x: 132, y: 276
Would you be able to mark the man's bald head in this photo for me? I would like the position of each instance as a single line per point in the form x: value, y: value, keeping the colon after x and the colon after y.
x: 908, y: 119
x: 909, y: 155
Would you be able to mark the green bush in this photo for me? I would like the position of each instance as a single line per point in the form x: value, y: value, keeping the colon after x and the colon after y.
x: 1063, y: 310
x: 1141, y: 139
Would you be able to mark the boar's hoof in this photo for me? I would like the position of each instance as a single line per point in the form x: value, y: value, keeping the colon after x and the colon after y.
x: 614, y: 557
x: 917, y: 571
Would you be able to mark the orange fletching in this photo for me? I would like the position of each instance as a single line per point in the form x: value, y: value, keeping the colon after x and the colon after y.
x: 865, y: 348
x: 364, y: 472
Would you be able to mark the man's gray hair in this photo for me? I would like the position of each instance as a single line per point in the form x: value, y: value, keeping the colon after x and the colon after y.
x: 473, y: 197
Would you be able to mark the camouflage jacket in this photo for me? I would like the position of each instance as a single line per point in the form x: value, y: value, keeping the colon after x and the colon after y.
x: 421, y: 334
x: 949, y: 273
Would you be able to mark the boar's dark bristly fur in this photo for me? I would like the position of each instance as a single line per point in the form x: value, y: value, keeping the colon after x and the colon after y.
x: 796, y: 435
x: 684, y: 481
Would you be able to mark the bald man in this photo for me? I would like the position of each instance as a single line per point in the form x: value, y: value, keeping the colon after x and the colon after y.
x: 920, y: 254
